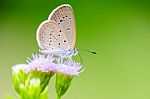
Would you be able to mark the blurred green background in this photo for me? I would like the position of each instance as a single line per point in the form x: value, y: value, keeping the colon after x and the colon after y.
x: 118, y: 29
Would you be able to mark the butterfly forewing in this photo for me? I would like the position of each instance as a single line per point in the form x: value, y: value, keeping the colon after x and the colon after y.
x: 50, y: 36
x: 64, y: 17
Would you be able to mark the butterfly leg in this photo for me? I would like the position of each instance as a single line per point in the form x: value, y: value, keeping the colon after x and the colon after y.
x: 61, y: 59
x: 80, y: 58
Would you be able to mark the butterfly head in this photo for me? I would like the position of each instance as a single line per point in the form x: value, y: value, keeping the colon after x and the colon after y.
x: 72, y: 52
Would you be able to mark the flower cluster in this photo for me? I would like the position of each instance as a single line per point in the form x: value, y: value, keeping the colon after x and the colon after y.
x: 31, y: 80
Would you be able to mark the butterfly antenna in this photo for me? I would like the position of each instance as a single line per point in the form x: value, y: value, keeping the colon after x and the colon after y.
x: 93, y: 52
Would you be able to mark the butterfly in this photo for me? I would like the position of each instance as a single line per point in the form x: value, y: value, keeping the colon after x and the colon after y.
x: 57, y: 35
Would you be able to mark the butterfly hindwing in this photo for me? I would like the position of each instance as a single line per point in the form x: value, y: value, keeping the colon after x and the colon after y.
x: 50, y: 36
x: 64, y: 17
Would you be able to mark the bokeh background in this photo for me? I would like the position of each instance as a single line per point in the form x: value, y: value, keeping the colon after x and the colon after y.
x: 118, y: 29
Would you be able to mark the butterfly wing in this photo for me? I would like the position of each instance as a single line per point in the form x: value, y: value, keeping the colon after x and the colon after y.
x: 64, y: 17
x: 50, y: 37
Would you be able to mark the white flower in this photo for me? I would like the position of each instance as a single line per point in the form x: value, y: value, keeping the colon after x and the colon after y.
x: 69, y: 67
x: 41, y: 63
x: 17, y: 68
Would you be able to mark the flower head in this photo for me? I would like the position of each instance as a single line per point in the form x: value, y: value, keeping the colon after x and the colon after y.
x: 19, y: 75
x: 66, y: 70
x: 69, y: 67
x: 20, y: 67
x: 42, y: 67
x: 41, y: 63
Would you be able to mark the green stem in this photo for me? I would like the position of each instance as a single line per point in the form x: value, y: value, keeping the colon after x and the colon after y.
x: 58, y: 97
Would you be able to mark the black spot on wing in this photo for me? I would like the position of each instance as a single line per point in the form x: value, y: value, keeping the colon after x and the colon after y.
x: 61, y: 20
